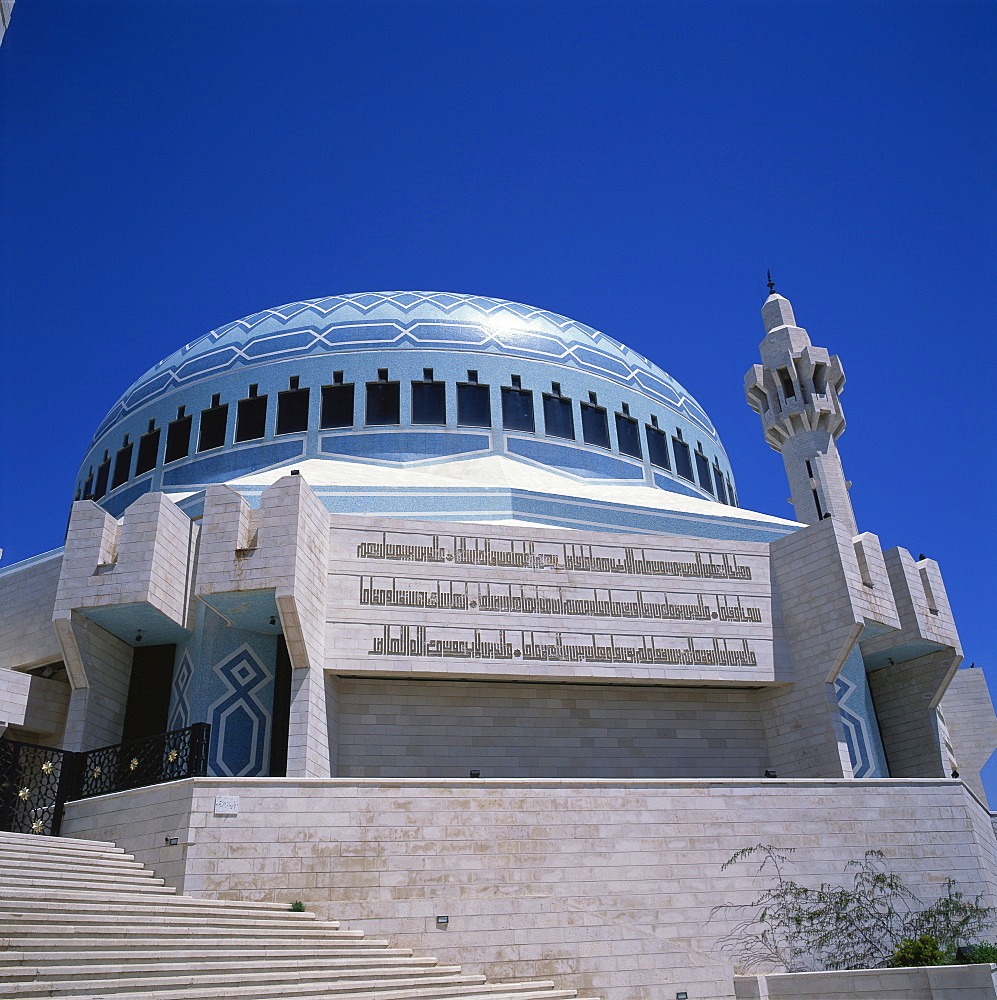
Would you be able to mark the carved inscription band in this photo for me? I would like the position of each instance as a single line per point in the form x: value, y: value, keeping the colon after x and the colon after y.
x: 561, y: 647
x: 526, y: 554
x: 530, y: 599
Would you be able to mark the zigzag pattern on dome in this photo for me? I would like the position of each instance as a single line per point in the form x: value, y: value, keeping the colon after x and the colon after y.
x: 375, y: 320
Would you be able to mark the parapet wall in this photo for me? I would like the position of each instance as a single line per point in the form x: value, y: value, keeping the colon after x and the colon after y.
x: 606, y: 886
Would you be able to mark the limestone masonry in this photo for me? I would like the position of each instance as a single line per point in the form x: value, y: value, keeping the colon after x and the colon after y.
x: 463, y: 590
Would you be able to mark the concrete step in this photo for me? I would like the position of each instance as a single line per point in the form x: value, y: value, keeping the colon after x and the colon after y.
x: 43, y: 957
x: 461, y: 988
x: 61, y: 844
x: 24, y: 925
x: 290, y: 984
x: 11, y: 896
x: 241, y: 968
x: 68, y: 901
x: 83, y: 920
x: 161, y: 946
x: 53, y: 861
x: 406, y: 970
x: 376, y: 991
x: 144, y: 881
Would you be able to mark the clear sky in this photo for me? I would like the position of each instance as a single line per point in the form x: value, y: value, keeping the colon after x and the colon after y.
x: 170, y: 166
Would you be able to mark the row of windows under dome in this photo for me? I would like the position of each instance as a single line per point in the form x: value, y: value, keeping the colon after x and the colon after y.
x: 469, y: 402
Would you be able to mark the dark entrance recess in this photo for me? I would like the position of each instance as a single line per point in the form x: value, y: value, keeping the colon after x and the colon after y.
x: 148, y: 704
x: 281, y: 717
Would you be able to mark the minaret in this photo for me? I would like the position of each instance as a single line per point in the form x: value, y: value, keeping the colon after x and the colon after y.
x: 795, y: 391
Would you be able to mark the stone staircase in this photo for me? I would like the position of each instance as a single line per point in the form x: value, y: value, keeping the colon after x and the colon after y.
x: 80, y: 918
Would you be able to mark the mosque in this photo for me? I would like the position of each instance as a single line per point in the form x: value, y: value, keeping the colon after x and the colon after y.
x: 450, y: 605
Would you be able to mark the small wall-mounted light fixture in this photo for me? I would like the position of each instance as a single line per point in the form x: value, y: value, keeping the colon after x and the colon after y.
x: 138, y: 636
x: 769, y: 773
x: 442, y: 921
x: 295, y: 472
x: 475, y: 774
x: 172, y: 841
x: 682, y: 996
x: 955, y: 774
x: 273, y: 620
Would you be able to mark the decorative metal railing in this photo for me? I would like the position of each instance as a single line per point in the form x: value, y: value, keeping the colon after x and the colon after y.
x: 182, y: 753
x: 36, y: 782
x: 33, y: 783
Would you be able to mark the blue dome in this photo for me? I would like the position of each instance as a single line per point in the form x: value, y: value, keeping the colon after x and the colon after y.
x: 523, y: 356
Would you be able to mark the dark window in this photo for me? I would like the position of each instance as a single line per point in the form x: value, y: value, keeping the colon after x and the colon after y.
x: 148, y: 452
x: 213, y: 423
x: 292, y: 410
x: 787, y: 383
x: 683, y: 459
x: 703, y: 468
x: 718, y: 478
x: 472, y: 375
x: 657, y: 447
x: 251, y: 417
x: 383, y: 401
x: 178, y: 438
x: 337, y: 378
x: 731, y: 495
x: 429, y: 401
x: 122, y: 466
x: 337, y: 404
x: 820, y: 378
x: 628, y: 435
x: 559, y: 420
x: 88, y: 486
x: 595, y: 425
x: 474, y: 407
x: 517, y: 409
x: 516, y: 381
x: 103, y: 471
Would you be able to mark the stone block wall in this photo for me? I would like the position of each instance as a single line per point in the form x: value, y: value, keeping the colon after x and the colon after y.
x: 431, y: 729
x: 27, y: 594
x: 607, y: 886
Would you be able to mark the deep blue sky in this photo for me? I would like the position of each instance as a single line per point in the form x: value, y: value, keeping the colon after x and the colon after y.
x: 170, y: 166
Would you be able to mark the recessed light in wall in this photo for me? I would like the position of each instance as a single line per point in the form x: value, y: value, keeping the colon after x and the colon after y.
x: 138, y: 636
x: 442, y: 921
x: 273, y: 620
x: 769, y: 773
x: 475, y: 774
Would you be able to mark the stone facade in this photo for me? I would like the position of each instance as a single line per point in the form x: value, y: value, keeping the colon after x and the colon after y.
x: 642, y: 680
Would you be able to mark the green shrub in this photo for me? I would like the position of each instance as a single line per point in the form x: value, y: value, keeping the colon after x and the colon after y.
x: 925, y: 950
x: 297, y: 906
x: 982, y: 953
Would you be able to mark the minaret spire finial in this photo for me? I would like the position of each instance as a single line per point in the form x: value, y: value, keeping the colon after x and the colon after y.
x: 770, y: 282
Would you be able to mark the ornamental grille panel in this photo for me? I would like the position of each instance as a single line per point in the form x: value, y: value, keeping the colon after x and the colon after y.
x: 36, y: 782
x: 33, y: 781
x: 182, y: 753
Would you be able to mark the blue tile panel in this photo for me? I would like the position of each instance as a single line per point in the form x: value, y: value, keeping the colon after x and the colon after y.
x: 225, y: 676
x: 225, y: 465
x: 858, y: 717
x: 401, y: 447
x: 405, y: 333
x: 576, y: 460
